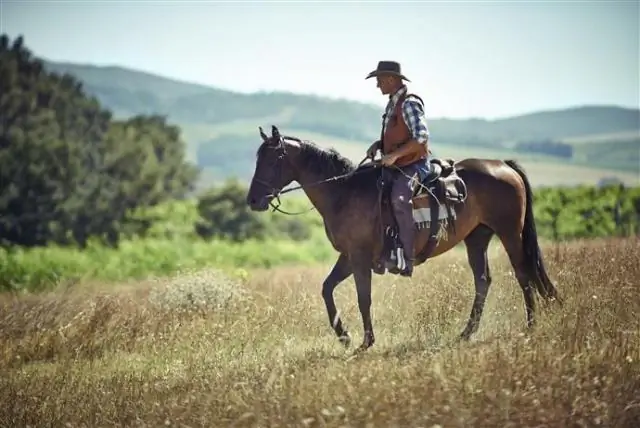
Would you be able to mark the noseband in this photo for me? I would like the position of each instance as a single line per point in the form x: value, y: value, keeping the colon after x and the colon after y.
x: 275, y: 192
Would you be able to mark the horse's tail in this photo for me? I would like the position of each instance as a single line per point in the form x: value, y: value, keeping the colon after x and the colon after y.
x: 532, y: 253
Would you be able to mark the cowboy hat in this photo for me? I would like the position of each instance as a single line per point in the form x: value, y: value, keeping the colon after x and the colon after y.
x: 388, y: 67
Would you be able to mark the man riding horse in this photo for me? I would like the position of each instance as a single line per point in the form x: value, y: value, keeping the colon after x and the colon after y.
x: 404, y: 143
x: 490, y: 197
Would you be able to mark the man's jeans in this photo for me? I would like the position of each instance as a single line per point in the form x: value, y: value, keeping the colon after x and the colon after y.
x: 401, y: 194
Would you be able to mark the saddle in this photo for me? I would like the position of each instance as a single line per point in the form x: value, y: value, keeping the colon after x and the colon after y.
x: 441, y: 176
x: 437, y: 189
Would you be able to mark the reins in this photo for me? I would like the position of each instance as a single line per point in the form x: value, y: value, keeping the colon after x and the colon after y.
x: 276, y: 196
x: 374, y: 164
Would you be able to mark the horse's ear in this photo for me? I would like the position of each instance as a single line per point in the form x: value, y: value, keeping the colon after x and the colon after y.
x: 262, y: 134
x: 275, y: 133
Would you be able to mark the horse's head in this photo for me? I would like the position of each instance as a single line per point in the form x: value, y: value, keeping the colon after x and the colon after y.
x: 273, y: 171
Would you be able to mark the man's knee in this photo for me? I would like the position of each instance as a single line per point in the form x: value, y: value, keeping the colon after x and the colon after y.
x: 401, y: 196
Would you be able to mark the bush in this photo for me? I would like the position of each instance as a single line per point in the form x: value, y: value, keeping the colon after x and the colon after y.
x: 224, y: 214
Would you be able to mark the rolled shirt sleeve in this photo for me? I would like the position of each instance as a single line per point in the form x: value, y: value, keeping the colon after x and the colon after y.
x: 414, y: 117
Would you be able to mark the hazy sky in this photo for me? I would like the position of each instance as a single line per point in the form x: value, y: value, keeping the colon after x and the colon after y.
x: 485, y: 59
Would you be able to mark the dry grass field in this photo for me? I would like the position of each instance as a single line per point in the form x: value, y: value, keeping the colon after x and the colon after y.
x: 203, y: 350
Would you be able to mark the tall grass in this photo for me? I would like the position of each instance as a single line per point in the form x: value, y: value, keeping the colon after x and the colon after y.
x: 204, y: 349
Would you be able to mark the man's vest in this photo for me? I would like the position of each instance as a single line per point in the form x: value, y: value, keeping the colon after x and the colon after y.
x: 398, y: 133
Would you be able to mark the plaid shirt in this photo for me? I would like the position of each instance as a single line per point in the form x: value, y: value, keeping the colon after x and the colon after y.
x: 412, y: 113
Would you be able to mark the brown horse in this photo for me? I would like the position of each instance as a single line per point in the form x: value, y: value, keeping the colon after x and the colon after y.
x: 496, y: 199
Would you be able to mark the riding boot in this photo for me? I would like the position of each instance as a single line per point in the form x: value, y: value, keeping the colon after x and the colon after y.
x: 406, y: 232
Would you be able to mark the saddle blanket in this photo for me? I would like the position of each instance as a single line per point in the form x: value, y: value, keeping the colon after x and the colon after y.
x: 422, y: 216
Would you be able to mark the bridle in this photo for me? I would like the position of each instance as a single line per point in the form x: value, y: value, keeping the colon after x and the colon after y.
x: 281, y: 154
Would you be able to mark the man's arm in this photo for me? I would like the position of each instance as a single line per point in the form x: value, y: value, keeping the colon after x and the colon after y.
x: 414, y: 117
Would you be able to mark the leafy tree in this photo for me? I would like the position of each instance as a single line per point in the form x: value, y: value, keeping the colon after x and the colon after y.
x: 587, y: 211
x: 225, y: 214
x: 49, y: 138
x: 67, y: 170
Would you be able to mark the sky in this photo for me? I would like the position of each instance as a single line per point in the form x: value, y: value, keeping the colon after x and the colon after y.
x: 465, y: 59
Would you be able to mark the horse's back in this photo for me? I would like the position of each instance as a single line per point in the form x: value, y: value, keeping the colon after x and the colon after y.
x: 487, y: 170
x: 496, y: 191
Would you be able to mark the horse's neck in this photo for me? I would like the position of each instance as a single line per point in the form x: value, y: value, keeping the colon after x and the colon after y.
x: 320, y: 189
x: 317, y: 190
x: 319, y: 186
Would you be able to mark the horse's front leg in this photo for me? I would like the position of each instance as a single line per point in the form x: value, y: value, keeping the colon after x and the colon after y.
x: 341, y: 271
x: 362, y: 275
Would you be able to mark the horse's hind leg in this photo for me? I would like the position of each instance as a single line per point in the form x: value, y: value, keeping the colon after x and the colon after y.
x: 341, y: 271
x: 512, y: 242
x: 477, y: 243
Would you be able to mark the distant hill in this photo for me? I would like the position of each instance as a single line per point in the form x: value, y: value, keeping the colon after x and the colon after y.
x: 552, y: 124
x: 129, y: 92
x: 213, y: 120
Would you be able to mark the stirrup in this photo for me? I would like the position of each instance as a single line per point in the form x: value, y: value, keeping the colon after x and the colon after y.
x: 397, y: 261
x: 408, y: 269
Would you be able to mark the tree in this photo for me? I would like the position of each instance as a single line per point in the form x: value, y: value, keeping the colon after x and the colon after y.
x: 225, y: 214
x: 49, y: 135
x: 67, y: 170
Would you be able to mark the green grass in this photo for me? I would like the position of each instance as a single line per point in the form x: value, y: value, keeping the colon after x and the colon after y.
x: 169, y: 246
x: 47, y: 268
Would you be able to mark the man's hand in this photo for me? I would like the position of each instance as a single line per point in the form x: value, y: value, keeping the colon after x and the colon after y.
x: 390, y: 159
x: 371, y: 151
x: 411, y: 147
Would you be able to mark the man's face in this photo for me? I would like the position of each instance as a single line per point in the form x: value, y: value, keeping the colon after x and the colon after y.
x: 386, y: 83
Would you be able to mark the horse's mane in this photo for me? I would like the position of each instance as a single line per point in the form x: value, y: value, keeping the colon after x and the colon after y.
x: 329, y: 163
x: 323, y: 161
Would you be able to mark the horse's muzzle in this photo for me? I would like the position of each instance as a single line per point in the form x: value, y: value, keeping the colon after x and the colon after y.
x: 258, y: 204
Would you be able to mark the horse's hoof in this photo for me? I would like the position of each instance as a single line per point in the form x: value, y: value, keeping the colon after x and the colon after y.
x: 465, y: 336
x: 379, y: 269
x: 393, y: 269
x: 345, y: 339
x: 362, y: 348
x: 368, y: 342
